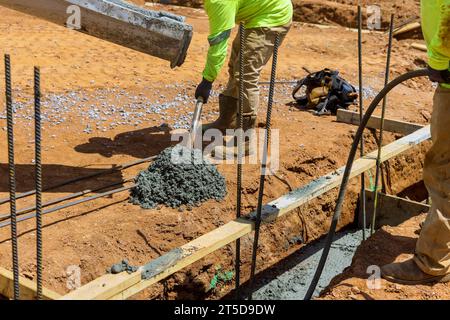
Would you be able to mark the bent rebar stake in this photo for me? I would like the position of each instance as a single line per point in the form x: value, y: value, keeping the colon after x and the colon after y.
x: 12, y: 176
x: 240, y: 154
x: 38, y: 170
x: 262, y: 178
x: 383, y: 115
x: 362, y: 204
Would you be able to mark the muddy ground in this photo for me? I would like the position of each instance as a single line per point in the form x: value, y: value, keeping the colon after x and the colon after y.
x: 106, y: 105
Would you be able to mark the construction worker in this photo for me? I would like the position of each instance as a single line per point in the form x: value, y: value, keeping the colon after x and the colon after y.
x: 263, y: 20
x: 431, y: 261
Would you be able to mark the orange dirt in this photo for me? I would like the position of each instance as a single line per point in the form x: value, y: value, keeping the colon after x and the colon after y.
x: 397, y: 244
x: 340, y: 12
x: 97, y: 234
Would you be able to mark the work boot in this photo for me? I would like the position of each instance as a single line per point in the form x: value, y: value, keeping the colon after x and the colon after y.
x: 220, y: 152
x: 228, y: 107
x: 407, y: 272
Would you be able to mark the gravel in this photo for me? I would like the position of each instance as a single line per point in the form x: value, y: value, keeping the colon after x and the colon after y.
x: 179, y: 176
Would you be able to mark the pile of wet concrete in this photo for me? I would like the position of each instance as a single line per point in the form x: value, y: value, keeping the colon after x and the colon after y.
x: 179, y: 177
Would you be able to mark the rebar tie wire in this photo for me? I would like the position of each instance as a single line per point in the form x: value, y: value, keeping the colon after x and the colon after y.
x: 383, y: 114
x: 12, y: 177
x: 264, y: 164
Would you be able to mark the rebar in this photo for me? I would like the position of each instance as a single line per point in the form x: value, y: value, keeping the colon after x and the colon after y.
x: 264, y: 164
x: 240, y: 153
x: 38, y: 172
x: 383, y: 114
x: 70, y: 204
x: 12, y: 177
x: 65, y: 198
x: 362, y: 203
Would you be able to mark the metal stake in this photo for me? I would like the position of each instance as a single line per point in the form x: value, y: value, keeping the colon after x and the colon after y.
x: 383, y: 113
x: 264, y: 164
x: 38, y: 169
x: 362, y: 204
x: 12, y: 176
x: 240, y: 153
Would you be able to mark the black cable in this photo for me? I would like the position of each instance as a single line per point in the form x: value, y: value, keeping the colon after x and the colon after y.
x: 264, y: 164
x: 240, y: 152
x: 38, y: 169
x: 348, y: 168
x: 12, y: 176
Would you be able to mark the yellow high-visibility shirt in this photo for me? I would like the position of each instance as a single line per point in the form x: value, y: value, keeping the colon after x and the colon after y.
x: 436, y: 31
x: 224, y: 14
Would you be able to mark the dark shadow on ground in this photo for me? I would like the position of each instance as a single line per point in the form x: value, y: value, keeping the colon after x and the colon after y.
x: 54, y: 174
x: 140, y: 143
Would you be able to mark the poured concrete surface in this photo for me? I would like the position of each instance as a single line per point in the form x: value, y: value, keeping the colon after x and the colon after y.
x: 292, y: 284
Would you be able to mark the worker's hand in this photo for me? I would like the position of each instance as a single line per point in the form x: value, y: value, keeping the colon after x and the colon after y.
x: 203, y: 90
x: 440, y: 76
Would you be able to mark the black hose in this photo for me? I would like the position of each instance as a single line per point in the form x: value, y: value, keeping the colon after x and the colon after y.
x: 348, y: 169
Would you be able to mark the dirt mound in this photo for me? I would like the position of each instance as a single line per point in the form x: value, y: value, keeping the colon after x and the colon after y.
x: 179, y: 176
x: 340, y: 12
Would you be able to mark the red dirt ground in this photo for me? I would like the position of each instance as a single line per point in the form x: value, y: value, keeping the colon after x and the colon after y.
x: 97, y: 234
x: 397, y: 244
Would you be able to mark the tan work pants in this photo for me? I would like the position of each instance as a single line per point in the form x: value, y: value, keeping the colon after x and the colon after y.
x: 433, y: 246
x: 258, y: 51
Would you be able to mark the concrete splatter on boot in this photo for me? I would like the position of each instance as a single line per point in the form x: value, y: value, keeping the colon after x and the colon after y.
x: 228, y: 107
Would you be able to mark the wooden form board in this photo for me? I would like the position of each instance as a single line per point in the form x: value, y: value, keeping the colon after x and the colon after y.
x: 123, y: 285
x: 390, y: 125
x: 27, y: 287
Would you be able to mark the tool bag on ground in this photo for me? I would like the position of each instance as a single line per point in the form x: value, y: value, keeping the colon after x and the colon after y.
x: 325, y: 91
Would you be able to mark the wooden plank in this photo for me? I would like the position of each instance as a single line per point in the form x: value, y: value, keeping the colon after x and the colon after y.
x: 104, y: 287
x: 393, y: 210
x: 419, y: 46
x: 390, y: 125
x: 412, y: 26
x: 112, y: 286
x: 27, y: 287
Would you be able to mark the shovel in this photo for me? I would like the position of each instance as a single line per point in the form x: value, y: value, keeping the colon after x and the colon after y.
x: 195, y: 121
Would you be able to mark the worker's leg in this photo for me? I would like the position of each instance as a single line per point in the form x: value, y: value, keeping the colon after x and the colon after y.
x: 433, y: 246
x: 431, y: 262
x: 258, y: 51
x: 228, y: 105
